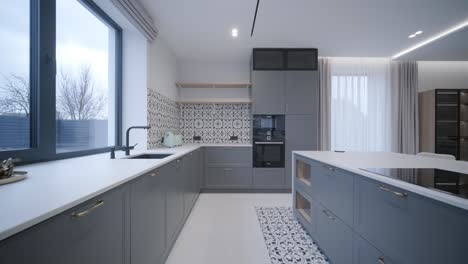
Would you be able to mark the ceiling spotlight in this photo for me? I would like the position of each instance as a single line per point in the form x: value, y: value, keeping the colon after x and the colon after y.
x: 234, y: 33
x: 412, y: 36
x: 418, y: 32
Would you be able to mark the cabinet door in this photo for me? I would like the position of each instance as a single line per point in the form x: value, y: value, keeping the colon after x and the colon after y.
x: 229, y: 178
x: 174, y: 200
x: 228, y: 156
x: 302, y: 93
x: 268, y: 92
x: 268, y: 59
x: 301, y: 134
x: 148, y: 218
x: 268, y: 178
x: 365, y: 253
x: 334, y: 237
x: 190, y: 180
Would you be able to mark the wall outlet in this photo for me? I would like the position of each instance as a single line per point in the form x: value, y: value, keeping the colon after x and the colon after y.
x: 197, y: 138
x: 234, y: 138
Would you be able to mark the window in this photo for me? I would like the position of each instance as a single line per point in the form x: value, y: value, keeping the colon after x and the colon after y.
x: 64, y: 98
x: 85, y: 83
x: 361, y: 106
x: 15, y: 90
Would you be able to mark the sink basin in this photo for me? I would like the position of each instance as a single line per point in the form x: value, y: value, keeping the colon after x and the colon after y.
x: 150, y: 156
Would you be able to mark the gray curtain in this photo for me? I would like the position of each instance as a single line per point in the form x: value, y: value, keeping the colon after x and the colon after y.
x: 406, y: 82
x: 325, y: 103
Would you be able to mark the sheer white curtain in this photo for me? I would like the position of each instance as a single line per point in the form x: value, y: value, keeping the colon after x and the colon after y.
x: 362, y: 105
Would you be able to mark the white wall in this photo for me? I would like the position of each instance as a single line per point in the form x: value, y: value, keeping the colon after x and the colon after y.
x: 162, y: 69
x: 213, y: 72
x: 442, y: 75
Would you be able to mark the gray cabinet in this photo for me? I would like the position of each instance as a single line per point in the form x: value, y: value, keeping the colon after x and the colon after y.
x: 228, y: 177
x: 92, y: 232
x: 302, y: 93
x: 268, y: 92
x: 301, y: 134
x: 409, y: 228
x: 268, y: 178
x: 190, y: 178
x: 148, y: 218
x: 365, y: 253
x: 175, y: 188
x: 228, y: 168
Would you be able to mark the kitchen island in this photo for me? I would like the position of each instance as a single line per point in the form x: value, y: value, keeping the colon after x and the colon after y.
x: 357, y: 216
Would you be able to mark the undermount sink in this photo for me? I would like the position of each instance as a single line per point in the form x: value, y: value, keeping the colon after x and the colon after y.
x: 150, y: 156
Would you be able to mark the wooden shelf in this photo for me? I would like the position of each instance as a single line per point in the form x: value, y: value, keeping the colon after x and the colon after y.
x: 213, y: 85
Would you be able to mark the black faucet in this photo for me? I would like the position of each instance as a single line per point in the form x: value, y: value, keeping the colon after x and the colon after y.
x: 127, y: 148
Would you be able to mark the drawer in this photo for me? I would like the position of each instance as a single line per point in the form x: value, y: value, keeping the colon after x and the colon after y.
x: 228, y: 177
x: 334, y: 237
x: 268, y: 178
x: 365, y: 253
x: 230, y: 156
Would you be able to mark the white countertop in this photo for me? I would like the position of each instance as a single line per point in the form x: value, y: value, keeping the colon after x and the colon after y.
x: 56, y: 186
x: 353, y: 161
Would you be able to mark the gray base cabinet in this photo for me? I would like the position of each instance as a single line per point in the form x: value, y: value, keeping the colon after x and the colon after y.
x: 93, y: 232
x: 268, y: 178
x: 228, y: 178
x: 148, y: 218
x: 353, y: 217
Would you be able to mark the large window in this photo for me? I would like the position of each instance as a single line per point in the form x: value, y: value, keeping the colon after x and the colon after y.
x: 85, y: 81
x: 361, y: 105
x: 60, y: 79
x: 15, y: 91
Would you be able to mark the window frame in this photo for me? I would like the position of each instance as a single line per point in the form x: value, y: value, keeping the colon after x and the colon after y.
x: 42, y: 70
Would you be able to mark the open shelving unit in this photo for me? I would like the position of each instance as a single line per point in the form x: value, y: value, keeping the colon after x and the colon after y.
x: 303, y: 172
x: 303, y: 206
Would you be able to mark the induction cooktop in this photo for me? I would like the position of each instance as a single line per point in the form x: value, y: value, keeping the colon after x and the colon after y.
x: 450, y: 182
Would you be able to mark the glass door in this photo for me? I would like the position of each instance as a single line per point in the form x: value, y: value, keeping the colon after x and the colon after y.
x: 463, y: 113
x: 447, y: 117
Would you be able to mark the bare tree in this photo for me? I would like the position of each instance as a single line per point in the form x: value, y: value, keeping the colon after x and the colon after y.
x: 15, y: 95
x: 77, y: 99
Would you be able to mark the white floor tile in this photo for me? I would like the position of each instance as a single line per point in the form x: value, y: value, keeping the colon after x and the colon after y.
x: 223, y: 228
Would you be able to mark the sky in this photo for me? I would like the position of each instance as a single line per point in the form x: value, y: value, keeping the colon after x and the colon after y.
x: 82, y: 39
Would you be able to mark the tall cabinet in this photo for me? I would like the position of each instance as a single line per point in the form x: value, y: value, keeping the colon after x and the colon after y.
x: 286, y: 82
x: 443, y: 117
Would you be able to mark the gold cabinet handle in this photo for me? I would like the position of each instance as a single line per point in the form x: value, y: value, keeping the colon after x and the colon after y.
x: 381, y: 260
x: 98, y: 204
x: 399, y: 194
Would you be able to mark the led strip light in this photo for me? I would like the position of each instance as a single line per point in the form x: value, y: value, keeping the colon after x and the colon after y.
x: 432, y: 39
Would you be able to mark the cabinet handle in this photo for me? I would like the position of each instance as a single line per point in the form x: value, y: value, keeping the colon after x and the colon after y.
x: 98, y: 204
x: 154, y: 174
x: 328, y: 168
x: 399, y: 194
x: 178, y: 161
x: 381, y: 260
x: 325, y: 212
x: 227, y: 169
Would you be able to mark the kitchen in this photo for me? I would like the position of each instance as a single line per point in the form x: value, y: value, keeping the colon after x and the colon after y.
x: 215, y: 134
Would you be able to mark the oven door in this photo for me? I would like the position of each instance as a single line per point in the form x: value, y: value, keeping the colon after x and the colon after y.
x: 268, y: 154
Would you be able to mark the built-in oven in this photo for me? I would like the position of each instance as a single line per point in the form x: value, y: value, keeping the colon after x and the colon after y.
x: 268, y: 141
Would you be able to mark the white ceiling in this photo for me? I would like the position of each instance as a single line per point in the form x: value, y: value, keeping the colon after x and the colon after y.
x: 200, y: 29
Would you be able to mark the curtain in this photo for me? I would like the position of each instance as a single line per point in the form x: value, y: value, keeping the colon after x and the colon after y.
x: 325, y: 103
x: 405, y: 76
x: 361, y: 105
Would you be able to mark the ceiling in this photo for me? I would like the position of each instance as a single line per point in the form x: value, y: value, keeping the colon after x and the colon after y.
x: 200, y: 30
x: 453, y: 47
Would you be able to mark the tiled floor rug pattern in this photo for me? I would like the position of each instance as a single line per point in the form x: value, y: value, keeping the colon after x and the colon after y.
x: 286, y: 240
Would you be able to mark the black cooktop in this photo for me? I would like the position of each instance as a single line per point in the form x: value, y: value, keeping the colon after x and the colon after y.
x: 440, y: 180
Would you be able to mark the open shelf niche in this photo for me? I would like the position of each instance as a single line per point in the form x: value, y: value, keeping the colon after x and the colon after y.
x: 303, y: 206
x: 303, y: 172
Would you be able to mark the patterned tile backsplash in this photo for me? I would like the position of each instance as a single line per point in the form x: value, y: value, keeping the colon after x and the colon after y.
x: 214, y: 123
x: 163, y: 115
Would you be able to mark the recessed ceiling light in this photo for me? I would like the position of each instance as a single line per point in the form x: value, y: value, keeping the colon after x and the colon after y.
x: 234, y: 32
x: 418, y: 32
x: 412, y: 36
x: 432, y: 39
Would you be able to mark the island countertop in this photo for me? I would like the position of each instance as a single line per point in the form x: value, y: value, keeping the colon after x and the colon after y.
x: 56, y: 186
x: 354, y: 161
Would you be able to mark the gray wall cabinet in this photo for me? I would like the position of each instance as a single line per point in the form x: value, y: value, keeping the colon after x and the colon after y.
x: 148, y: 218
x: 301, y: 134
x: 93, y: 232
x: 268, y: 92
x: 353, y: 217
x: 302, y: 93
